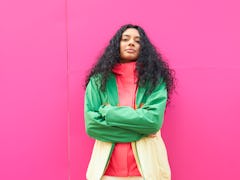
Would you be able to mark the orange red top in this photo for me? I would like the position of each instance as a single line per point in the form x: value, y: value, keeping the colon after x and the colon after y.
x: 122, y: 162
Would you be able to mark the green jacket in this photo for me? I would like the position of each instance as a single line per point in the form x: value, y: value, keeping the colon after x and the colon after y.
x: 109, y: 123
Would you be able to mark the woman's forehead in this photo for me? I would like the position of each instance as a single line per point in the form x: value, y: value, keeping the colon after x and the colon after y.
x: 131, y: 32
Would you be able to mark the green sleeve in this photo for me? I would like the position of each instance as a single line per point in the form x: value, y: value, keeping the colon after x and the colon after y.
x: 145, y: 120
x: 96, y: 125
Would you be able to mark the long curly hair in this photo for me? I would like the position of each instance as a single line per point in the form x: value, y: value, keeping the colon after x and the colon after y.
x: 150, y: 65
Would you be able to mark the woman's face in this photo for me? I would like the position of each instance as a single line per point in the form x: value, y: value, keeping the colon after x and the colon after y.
x: 129, y: 45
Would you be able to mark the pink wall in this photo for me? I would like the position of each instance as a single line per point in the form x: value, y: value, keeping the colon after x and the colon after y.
x: 33, y: 93
x: 44, y: 59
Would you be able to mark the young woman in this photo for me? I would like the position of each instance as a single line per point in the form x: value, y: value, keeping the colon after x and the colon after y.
x: 126, y: 96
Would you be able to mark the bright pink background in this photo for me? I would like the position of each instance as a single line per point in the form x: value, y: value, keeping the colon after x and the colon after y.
x: 33, y: 90
x: 47, y: 47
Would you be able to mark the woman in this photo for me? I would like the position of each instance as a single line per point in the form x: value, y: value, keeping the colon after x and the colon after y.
x: 126, y: 96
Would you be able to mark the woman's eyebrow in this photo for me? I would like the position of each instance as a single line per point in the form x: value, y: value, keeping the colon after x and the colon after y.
x: 129, y: 36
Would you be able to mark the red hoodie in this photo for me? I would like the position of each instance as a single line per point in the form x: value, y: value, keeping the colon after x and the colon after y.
x: 122, y: 162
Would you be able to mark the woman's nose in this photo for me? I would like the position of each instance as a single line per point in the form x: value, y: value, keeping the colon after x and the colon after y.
x: 131, y: 43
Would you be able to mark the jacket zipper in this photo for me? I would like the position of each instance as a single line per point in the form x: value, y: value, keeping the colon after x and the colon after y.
x: 138, y: 160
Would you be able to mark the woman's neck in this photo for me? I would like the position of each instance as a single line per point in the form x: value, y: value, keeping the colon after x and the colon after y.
x: 126, y: 61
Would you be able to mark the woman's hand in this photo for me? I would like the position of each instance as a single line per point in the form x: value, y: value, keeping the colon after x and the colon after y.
x: 152, y: 135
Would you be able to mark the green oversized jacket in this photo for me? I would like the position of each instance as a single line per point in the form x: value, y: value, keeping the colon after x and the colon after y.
x: 109, y: 123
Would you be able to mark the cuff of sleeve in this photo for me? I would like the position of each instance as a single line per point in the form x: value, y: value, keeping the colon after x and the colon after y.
x: 103, y: 109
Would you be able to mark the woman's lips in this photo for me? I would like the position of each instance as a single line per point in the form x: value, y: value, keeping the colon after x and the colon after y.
x: 131, y: 50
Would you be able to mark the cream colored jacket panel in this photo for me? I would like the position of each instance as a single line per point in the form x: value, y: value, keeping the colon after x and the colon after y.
x: 150, y: 154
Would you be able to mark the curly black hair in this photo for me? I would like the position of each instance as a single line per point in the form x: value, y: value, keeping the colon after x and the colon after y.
x: 150, y: 65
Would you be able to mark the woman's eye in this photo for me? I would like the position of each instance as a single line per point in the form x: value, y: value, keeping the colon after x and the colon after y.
x: 124, y: 39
